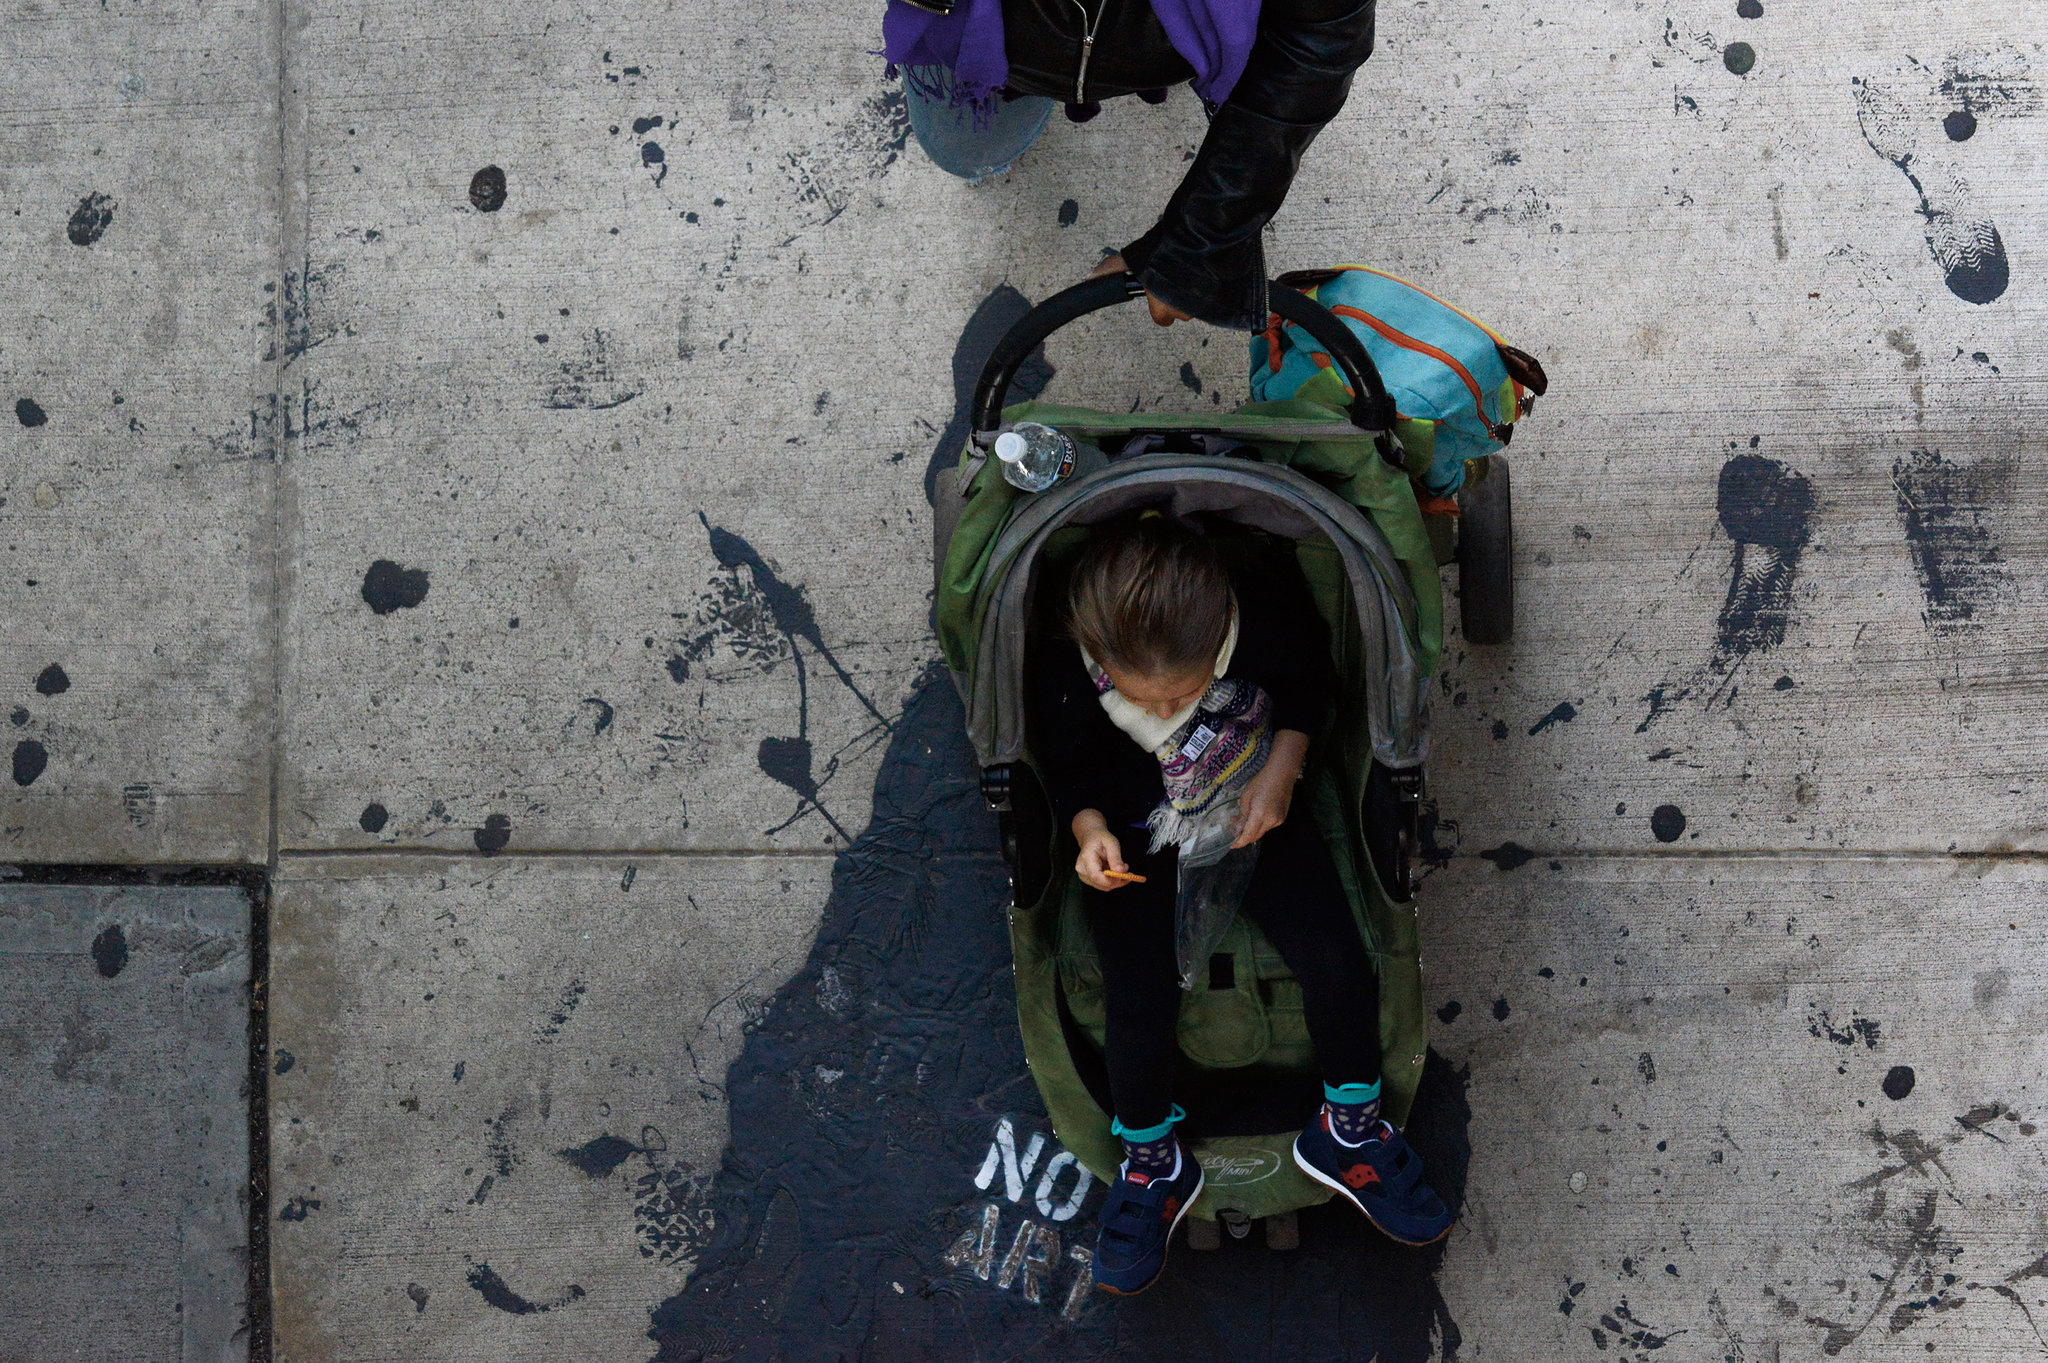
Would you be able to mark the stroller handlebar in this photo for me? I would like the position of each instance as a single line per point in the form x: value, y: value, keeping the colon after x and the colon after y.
x: 1371, y: 409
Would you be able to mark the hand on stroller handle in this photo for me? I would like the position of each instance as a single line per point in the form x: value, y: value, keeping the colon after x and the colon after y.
x: 1370, y: 410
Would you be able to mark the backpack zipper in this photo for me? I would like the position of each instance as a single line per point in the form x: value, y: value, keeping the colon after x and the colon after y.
x: 1088, y: 26
x: 1520, y: 401
x: 1443, y: 357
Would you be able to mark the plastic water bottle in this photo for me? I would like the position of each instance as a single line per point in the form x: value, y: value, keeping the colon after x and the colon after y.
x: 1035, y: 457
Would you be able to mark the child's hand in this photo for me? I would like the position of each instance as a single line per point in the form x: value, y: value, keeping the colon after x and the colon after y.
x: 1100, y: 852
x: 1263, y: 806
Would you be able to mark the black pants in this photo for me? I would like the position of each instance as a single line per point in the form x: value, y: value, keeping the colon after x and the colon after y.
x: 1296, y: 899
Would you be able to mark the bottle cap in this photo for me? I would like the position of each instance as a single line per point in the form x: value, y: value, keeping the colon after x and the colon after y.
x: 1010, y: 447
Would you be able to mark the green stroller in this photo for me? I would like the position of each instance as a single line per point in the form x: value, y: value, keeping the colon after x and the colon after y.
x: 1318, y: 491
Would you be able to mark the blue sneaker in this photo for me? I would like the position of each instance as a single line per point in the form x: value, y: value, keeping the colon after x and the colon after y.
x: 1381, y: 1176
x: 1138, y: 1222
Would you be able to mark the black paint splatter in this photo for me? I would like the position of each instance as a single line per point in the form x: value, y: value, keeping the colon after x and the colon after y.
x: 1863, y: 1029
x: 52, y: 681
x: 28, y: 413
x: 1500, y: 1010
x: 1945, y: 507
x: 1070, y: 212
x: 651, y: 154
x: 1739, y: 58
x: 1960, y: 125
x: 643, y: 126
x: 298, y: 1208
x: 1508, y: 855
x: 30, y: 757
x: 1748, y: 9
x: 492, y: 837
x: 91, y: 219
x: 1629, y: 1332
x: 1189, y: 379
x: 1448, y: 1014
x: 1564, y: 712
x: 487, y: 189
x: 600, y: 1157
x: 565, y: 1007
x: 285, y: 1061
x: 1783, y: 684
x: 375, y: 816
x: 827, y: 1194
x: 388, y: 587
x: 1767, y: 509
x: 492, y: 1289
x: 110, y: 951
x: 1667, y: 823
x: 996, y: 314
x: 1898, y: 1082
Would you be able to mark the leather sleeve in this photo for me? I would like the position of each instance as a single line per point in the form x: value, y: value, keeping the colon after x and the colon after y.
x: 1205, y: 256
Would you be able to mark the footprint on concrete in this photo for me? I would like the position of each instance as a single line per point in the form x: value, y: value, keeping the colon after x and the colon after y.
x: 1767, y: 509
x: 1914, y: 119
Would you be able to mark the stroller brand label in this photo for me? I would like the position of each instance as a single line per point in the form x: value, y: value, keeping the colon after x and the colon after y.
x: 1235, y: 1168
x: 1198, y: 742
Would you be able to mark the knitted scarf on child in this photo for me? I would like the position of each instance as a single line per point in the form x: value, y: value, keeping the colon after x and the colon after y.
x: 1208, y: 751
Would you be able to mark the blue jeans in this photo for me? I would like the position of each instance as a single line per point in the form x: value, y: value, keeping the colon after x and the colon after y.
x: 958, y: 142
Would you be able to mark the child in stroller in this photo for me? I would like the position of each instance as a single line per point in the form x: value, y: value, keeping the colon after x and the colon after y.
x: 1186, y: 685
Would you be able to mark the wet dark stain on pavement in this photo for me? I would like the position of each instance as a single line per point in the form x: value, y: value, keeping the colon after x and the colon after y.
x: 1508, y: 856
x: 28, y: 413
x: 30, y: 758
x: 1946, y: 508
x: 494, y: 835
x: 830, y: 1192
x: 387, y: 587
x: 91, y: 219
x: 1564, y: 712
x: 493, y: 1290
x: 487, y: 189
x: 600, y: 1157
x: 110, y: 951
x: 52, y: 681
x: 1667, y: 823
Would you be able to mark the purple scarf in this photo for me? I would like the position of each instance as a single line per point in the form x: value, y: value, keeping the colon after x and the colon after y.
x: 1215, y: 36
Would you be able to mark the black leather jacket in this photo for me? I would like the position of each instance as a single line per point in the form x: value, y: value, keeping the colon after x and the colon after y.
x: 1205, y: 256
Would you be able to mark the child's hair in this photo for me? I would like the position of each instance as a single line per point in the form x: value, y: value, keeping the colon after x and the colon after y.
x: 1150, y: 596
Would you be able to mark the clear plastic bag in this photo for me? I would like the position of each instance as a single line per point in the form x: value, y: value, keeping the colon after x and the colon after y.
x: 1213, y: 879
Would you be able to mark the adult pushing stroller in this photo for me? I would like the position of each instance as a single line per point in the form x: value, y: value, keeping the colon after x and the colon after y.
x: 1301, y: 486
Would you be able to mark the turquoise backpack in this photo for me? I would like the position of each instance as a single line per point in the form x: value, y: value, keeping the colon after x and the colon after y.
x: 1458, y: 388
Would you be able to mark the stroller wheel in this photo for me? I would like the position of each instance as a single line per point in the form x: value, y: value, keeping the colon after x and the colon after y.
x: 1283, y: 1231
x: 1204, y: 1235
x: 1486, y: 556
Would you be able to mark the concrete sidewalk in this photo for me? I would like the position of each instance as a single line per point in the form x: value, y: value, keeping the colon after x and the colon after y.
x: 475, y: 464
